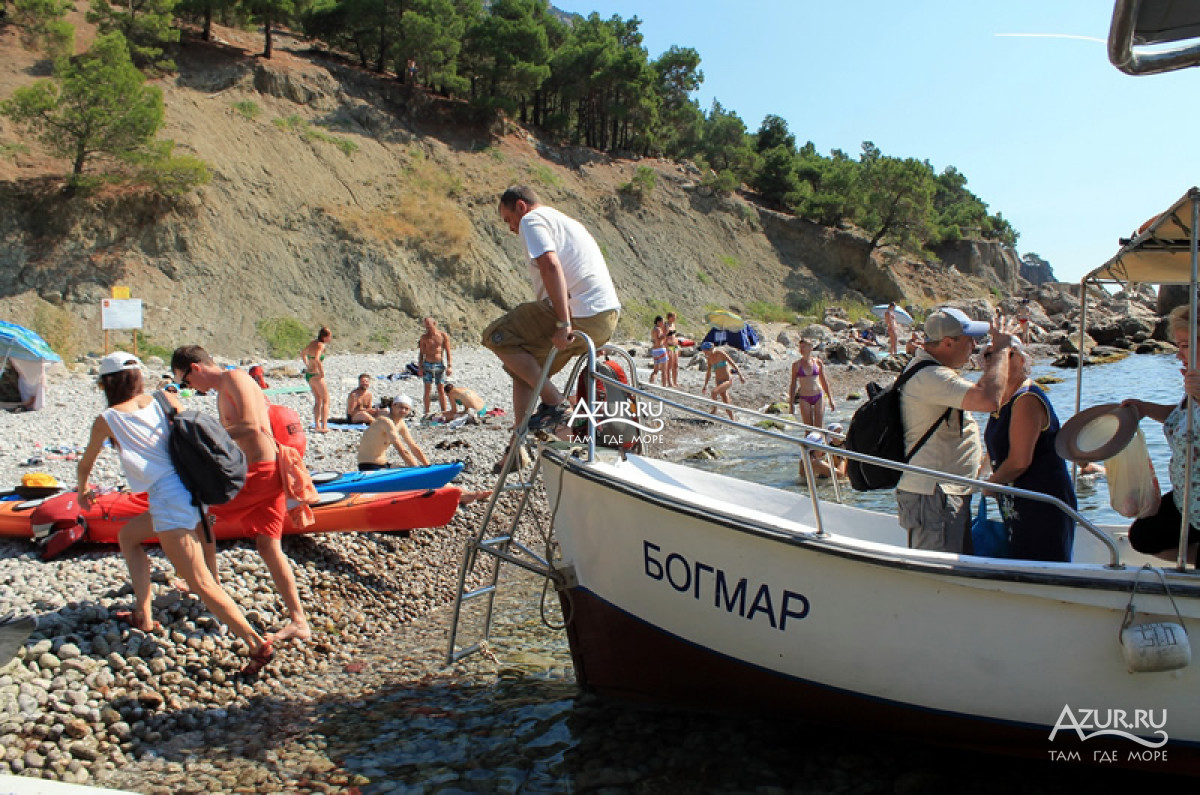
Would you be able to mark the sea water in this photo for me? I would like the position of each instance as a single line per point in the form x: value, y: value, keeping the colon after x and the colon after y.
x: 1153, y: 378
x: 531, y: 729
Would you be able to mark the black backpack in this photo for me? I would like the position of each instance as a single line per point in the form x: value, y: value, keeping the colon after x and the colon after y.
x: 208, y: 460
x: 877, y: 429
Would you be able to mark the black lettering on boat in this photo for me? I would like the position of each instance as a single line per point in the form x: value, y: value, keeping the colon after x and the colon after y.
x: 686, y: 585
x: 763, y: 597
x: 723, y: 591
x: 730, y: 595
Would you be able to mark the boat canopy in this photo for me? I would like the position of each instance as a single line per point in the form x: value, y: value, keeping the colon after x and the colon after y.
x: 1154, y: 22
x: 1160, y: 252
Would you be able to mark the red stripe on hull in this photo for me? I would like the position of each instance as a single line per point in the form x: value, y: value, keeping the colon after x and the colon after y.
x: 620, y: 656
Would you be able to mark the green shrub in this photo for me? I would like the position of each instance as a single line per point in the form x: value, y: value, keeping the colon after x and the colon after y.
x: 13, y: 149
x: 642, y: 184
x: 146, y: 347
x: 248, y: 108
x: 545, y: 175
x: 732, y: 263
x: 285, y: 336
x: 768, y: 312
x: 170, y: 174
x: 722, y: 184
x: 56, y: 326
x: 703, y: 277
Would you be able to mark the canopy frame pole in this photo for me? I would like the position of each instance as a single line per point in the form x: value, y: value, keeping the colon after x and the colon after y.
x: 1185, y: 521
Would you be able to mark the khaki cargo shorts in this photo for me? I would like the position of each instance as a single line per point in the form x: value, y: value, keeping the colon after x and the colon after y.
x: 529, y: 327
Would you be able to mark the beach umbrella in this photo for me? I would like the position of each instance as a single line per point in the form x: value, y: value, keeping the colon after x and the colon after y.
x: 902, y: 317
x: 18, y: 342
x: 725, y: 320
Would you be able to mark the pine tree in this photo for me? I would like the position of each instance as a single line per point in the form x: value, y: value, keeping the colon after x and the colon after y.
x: 97, y: 104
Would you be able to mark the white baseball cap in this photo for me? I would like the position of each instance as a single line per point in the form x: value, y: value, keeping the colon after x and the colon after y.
x: 404, y: 400
x: 117, y: 361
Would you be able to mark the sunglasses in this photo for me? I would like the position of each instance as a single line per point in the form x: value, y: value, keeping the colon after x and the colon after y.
x: 183, y: 382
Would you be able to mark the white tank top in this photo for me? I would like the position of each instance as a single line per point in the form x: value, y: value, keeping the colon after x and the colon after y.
x: 142, y: 442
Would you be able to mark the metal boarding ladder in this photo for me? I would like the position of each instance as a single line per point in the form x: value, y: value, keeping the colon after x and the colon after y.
x: 500, y: 545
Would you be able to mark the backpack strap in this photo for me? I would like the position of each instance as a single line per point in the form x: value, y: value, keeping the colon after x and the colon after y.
x: 901, y: 381
x: 165, y: 404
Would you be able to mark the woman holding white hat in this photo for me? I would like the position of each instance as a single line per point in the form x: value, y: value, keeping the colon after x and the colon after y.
x: 137, y: 427
x: 1159, y: 533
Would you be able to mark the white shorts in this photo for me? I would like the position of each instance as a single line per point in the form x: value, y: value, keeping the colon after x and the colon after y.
x: 171, y: 505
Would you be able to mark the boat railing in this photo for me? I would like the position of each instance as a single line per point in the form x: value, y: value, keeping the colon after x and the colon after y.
x: 672, y: 400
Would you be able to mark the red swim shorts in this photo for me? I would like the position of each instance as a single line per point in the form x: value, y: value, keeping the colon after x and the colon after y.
x: 260, y: 507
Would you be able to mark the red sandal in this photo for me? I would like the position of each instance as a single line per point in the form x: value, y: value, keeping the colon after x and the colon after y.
x: 259, y: 659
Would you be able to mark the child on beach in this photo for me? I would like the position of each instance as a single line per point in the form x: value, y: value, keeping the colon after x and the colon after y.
x: 137, y: 427
x: 719, y: 362
x: 808, y: 388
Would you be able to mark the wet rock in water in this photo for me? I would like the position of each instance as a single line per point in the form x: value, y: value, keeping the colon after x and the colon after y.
x: 777, y: 408
x: 705, y: 454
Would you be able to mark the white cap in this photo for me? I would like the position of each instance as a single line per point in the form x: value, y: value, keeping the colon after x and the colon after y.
x: 117, y: 361
x: 835, y: 427
x: 815, y: 436
x: 404, y: 400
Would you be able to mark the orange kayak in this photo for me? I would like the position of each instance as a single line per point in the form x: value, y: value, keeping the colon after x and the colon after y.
x: 336, y: 513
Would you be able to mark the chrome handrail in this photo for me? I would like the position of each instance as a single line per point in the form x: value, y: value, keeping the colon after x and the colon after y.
x: 805, y: 445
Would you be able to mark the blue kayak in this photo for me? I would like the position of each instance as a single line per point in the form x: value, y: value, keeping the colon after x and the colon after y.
x: 397, y: 479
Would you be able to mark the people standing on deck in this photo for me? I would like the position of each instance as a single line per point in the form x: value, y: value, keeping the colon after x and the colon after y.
x: 721, y: 364
x: 260, y: 508
x: 893, y: 331
x: 672, y: 352
x: 1020, y: 444
x: 434, y: 357
x: 572, y: 291
x: 1159, y: 534
x: 658, y: 350
x: 936, y: 513
x: 809, y: 390
x: 313, y: 357
x: 136, y: 425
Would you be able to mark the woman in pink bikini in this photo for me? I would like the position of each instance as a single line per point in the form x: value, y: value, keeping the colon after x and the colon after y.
x: 809, y: 389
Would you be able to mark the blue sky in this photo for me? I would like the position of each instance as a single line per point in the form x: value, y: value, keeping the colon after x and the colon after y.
x: 1074, y: 153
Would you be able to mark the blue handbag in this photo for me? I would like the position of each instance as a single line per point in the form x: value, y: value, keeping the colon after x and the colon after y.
x: 989, y: 536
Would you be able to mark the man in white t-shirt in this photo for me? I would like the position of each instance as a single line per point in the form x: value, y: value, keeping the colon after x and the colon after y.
x: 573, y: 292
x: 937, y: 514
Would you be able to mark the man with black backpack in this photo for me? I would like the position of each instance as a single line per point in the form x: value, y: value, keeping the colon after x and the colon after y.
x: 937, y: 514
x: 260, y: 507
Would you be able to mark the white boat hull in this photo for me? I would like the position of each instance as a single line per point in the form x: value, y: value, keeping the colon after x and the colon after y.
x: 712, y: 593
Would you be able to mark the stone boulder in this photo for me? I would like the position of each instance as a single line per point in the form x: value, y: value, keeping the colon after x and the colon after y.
x: 822, y: 333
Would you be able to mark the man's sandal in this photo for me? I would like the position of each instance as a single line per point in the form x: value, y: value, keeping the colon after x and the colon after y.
x: 259, y: 659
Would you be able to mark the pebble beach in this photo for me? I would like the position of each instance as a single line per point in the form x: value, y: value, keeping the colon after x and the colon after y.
x: 90, y: 700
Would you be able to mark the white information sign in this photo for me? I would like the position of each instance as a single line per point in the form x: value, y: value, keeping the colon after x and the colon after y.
x: 120, y: 314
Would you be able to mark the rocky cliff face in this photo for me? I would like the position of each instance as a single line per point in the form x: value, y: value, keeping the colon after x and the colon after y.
x: 342, y: 199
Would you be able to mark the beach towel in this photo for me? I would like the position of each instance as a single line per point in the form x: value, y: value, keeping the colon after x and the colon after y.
x: 297, y: 486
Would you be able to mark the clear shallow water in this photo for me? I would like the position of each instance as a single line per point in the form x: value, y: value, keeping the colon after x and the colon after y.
x: 531, y: 730
x: 1152, y: 378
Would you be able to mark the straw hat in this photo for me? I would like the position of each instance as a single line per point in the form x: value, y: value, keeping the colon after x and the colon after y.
x: 1097, y: 434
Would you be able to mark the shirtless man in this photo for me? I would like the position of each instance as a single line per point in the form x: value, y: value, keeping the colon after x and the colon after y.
x: 360, y: 404
x: 460, y: 397
x: 434, y: 347
x: 260, y: 507
x: 390, y: 431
